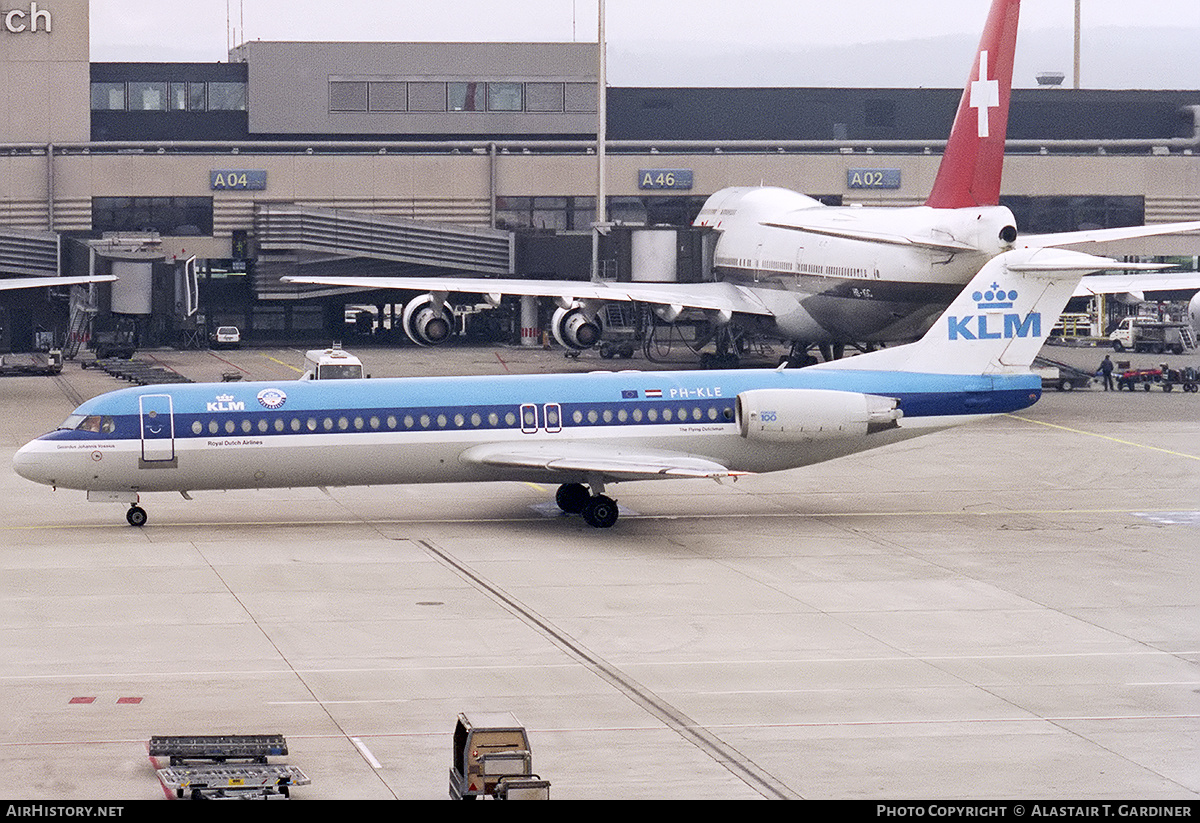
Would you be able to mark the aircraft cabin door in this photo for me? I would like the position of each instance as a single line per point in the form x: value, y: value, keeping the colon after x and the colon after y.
x: 549, y: 420
x: 158, y: 431
x: 529, y: 418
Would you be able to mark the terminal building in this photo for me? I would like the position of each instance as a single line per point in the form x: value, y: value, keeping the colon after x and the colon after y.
x: 201, y: 185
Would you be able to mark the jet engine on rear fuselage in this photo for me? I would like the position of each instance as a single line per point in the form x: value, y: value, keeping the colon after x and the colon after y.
x: 426, y: 320
x: 800, y: 415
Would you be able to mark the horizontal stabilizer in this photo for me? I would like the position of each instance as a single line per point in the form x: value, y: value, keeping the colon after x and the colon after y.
x: 1138, y: 283
x: 1071, y: 238
x: 874, y: 237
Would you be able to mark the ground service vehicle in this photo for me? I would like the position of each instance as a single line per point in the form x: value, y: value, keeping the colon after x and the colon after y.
x: 1060, y: 376
x: 331, y: 364
x: 492, y: 757
x: 1186, y: 378
x: 1143, y: 334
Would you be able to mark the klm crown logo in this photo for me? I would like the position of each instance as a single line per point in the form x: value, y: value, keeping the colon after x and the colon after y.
x: 987, y: 325
x: 225, y: 402
x: 995, y: 298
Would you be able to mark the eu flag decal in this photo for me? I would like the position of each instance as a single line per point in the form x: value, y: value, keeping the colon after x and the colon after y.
x: 629, y: 394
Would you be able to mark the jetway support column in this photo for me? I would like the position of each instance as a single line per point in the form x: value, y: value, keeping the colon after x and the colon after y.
x: 529, y: 314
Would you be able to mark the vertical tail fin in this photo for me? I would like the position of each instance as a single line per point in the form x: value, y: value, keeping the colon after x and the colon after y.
x: 969, y: 174
x: 999, y: 321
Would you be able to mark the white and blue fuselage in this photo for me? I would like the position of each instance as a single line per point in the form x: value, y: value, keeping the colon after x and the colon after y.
x: 579, y: 430
x: 566, y: 428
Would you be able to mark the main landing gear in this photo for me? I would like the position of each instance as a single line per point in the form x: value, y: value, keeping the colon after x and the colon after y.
x: 598, y: 510
x: 136, y: 516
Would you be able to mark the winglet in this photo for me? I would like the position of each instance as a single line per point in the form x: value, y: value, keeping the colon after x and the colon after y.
x: 969, y: 174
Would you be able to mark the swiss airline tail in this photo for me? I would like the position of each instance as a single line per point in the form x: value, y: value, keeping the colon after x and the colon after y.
x: 970, y: 171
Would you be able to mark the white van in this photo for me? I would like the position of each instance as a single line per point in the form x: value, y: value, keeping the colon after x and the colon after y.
x: 331, y: 364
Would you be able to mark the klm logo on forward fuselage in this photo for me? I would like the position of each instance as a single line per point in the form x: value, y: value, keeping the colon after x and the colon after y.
x: 989, y: 324
x: 224, y: 403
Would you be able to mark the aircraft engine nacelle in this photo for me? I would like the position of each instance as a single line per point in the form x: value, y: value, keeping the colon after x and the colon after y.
x: 802, y: 415
x: 426, y: 321
x: 573, y: 329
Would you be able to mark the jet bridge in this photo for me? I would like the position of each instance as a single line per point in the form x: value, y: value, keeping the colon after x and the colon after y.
x: 300, y: 240
x: 29, y: 253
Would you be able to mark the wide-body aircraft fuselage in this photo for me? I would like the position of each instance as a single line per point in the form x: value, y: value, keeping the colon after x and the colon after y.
x: 838, y: 274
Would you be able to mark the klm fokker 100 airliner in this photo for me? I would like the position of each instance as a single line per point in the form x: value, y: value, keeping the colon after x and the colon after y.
x: 582, y: 431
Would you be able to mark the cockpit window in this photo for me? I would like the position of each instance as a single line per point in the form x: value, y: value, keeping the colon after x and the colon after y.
x: 71, y: 423
x: 100, y: 424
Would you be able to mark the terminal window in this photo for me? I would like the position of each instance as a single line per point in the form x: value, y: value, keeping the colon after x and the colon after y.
x: 506, y: 96
x: 147, y: 96
x: 227, y: 97
x: 466, y: 96
x: 544, y: 97
x: 579, y: 97
x: 108, y: 96
x: 179, y: 97
x: 1049, y: 214
x: 386, y: 95
x: 347, y: 96
x: 153, y: 95
x: 188, y: 97
x: 171, y: 216
x: 561, y: 213
x: 426, y: 96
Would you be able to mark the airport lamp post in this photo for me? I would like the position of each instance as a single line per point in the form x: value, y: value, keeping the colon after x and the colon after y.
x: 601, y: 221
x: 1078, y: 12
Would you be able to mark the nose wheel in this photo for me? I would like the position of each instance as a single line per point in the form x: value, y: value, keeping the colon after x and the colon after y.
x: 598, y: 510
x: 136, y: 516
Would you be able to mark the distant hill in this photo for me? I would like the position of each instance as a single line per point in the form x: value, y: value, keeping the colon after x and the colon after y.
x: 1113, y: 58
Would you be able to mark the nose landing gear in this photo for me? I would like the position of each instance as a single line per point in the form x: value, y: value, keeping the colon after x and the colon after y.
x: 136, y: 516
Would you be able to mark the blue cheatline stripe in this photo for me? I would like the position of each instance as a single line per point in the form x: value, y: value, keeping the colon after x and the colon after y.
x: 630, y: 399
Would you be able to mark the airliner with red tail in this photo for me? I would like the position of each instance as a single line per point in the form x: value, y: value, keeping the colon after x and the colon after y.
x: 789, y: 267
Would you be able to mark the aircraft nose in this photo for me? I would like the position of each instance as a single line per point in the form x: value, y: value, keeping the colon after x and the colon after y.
x: 29, y: 462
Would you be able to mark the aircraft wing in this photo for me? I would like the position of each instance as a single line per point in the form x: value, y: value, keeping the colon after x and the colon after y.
x: 1070, y: 238
x: 724, y: 297
x: 1137, y: 283
x: 42, y: 282
x: 614, y: 462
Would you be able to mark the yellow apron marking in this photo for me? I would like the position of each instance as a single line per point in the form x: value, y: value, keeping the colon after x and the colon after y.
x: 1106, y: 437
x: 287, y: 365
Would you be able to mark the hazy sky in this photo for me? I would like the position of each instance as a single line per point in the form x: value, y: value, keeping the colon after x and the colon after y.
x: 647, y: 38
